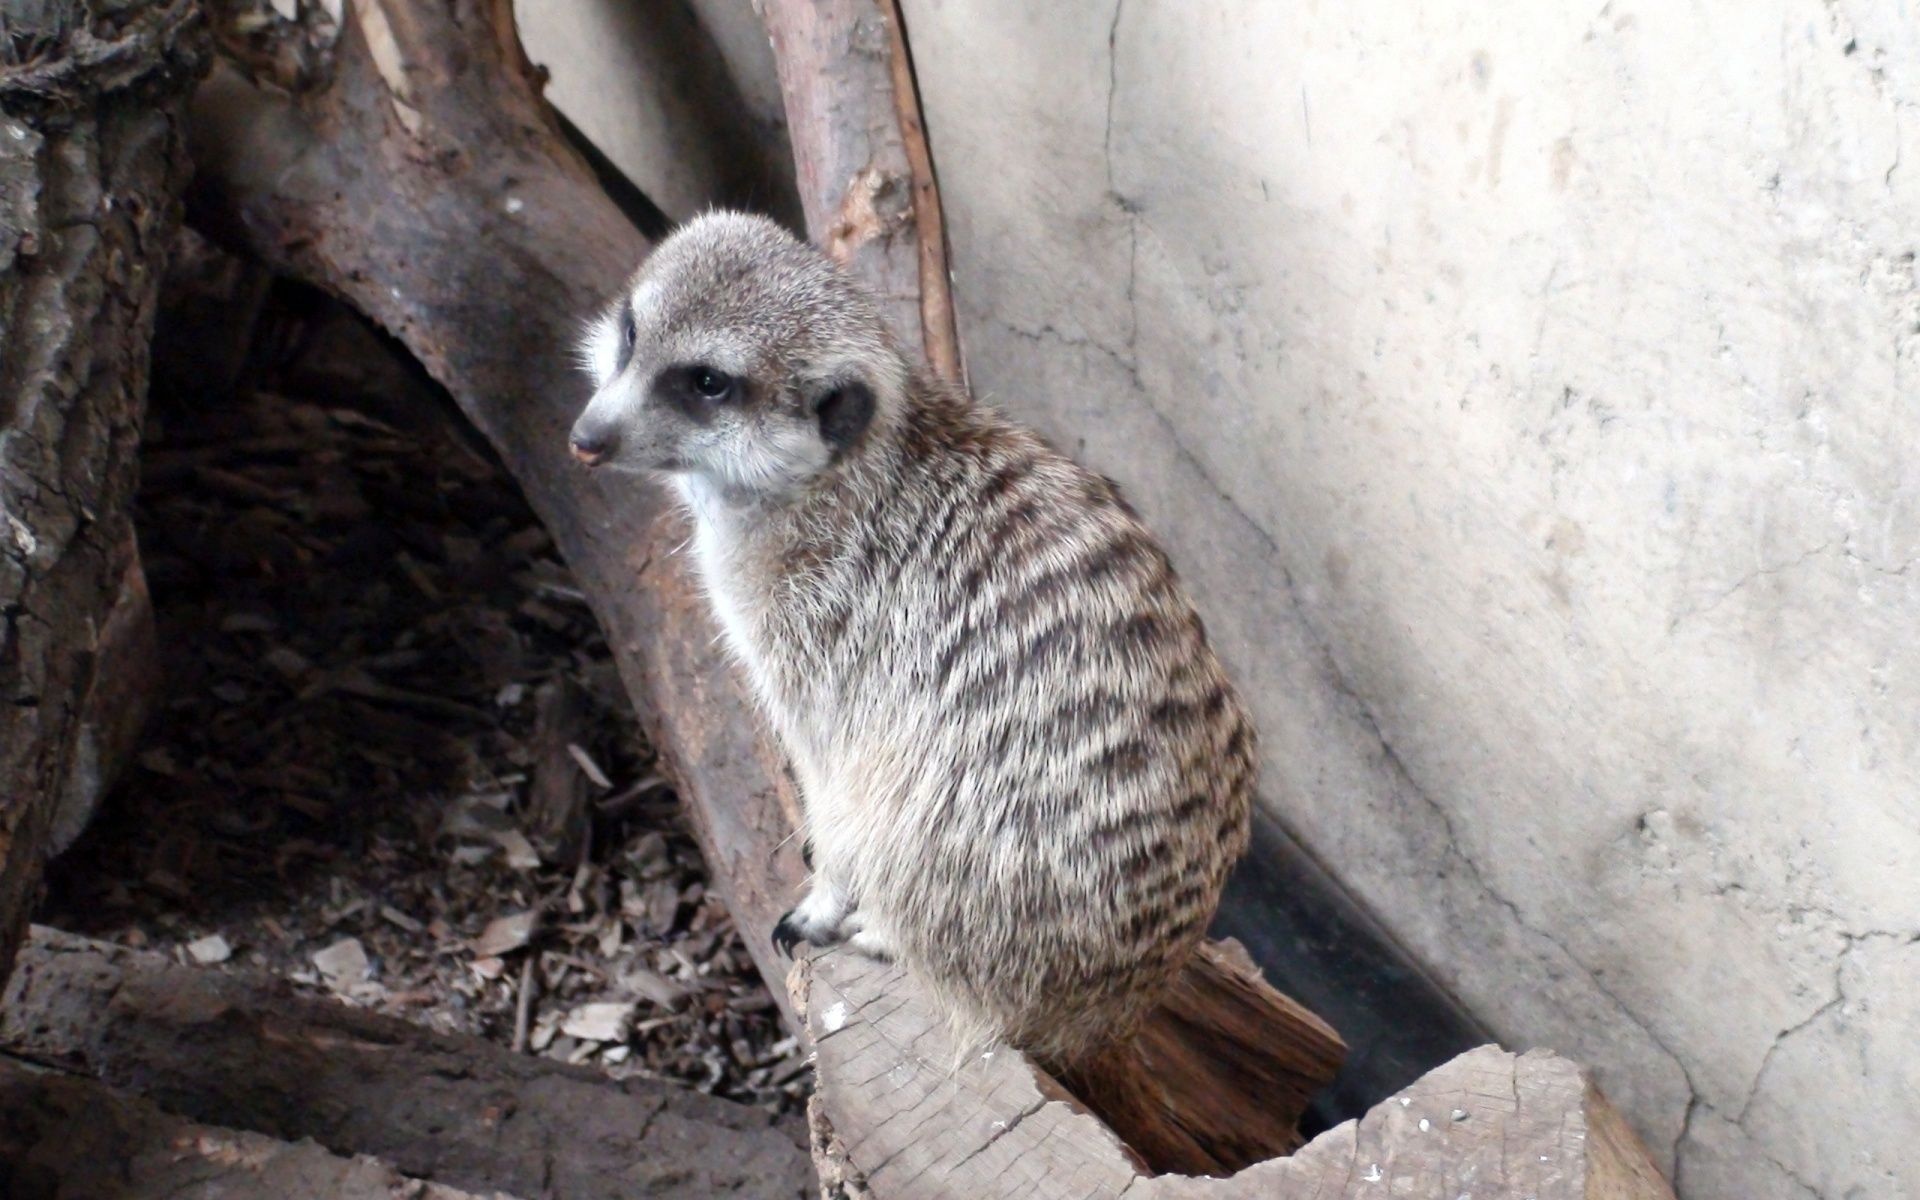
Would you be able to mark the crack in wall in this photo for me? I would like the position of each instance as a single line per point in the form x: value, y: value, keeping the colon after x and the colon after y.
x: 1744, y: 582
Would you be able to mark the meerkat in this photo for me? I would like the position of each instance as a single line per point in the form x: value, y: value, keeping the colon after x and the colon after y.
x: 1025, y: 774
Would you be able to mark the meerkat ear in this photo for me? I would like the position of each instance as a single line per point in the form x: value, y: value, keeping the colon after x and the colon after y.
x: 844, y: 409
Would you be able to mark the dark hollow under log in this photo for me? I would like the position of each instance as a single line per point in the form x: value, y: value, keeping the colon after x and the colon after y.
x: 92, y: 163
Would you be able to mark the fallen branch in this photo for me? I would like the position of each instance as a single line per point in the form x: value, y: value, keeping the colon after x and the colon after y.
x: 61, y: 1136
x: 232, y: 1051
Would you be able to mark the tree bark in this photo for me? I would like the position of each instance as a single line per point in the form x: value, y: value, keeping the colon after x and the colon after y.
x: 92, y: 164
x: 866, y: 173
x: 231, y: 1051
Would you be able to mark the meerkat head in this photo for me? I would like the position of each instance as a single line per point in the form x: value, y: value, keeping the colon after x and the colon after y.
x: 740, y: 355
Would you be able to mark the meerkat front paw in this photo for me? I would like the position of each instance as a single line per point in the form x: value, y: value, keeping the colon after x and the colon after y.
x: 873, y: 944
x: 819, y: 920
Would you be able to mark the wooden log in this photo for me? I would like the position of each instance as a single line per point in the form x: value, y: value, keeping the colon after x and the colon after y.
x: 866, y: 173
x: 91, y: 168
x: 894, y: 1121
x: 63, y: 1138
x: 252, y: 1054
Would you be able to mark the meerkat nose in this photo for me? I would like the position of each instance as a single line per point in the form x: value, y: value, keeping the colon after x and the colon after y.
x: 590, y: 448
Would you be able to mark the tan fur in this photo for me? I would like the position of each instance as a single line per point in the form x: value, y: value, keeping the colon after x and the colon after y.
x: 1025, y: 773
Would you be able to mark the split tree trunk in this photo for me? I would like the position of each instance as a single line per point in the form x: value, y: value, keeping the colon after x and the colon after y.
x: 92, y: 163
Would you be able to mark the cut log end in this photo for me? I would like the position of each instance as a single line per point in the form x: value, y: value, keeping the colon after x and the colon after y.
x: 899, y: 1123
x: 1217, y: 1080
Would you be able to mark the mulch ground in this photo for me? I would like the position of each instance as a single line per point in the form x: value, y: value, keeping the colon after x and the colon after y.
x: 391, y: 759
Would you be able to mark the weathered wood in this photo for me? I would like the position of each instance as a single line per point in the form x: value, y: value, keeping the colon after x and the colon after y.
x: 860, y: 150
x: 1490, y: 1125
x: 252, y: 1054
x: 91, y: 167
x: 63, y: 1138
x: 1220, y: 1077
x: 122, y: 683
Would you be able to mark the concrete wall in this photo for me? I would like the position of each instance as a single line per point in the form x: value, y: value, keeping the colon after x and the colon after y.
x: 679, y: 94
x: 1531, y: 391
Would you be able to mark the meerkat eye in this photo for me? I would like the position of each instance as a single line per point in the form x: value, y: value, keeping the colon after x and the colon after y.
x: 711, y: 384
x: 628, y: 335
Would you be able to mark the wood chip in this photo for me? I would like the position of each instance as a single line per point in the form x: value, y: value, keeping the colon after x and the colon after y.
x: 210, y: 949
x: 503, y: 935
x: 601, y: 1021
x: 587, y: 765
x: 656, y: 988
x: 343, y: 964
x: 394, y: 916
x: 521, y: 855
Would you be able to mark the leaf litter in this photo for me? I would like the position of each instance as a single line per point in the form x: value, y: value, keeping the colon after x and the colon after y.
x: 362, y: 625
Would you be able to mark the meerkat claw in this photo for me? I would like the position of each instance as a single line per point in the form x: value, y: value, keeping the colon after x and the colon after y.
x: 786, y: 934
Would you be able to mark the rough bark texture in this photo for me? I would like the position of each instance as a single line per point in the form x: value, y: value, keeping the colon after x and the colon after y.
x: 896, y: 1123
x: 63, y: 1138
x: 866, y: 175
x: 231, y: 1051
x: 91, y: 166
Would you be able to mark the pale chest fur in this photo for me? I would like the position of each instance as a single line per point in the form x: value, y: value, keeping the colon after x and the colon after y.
x: 762, y: 611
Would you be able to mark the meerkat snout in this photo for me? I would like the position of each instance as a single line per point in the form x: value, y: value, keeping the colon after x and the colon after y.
x: 591, y: 444
x: 1024, y: 773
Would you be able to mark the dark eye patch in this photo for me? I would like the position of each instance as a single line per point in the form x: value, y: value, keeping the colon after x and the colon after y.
x: 697, y: 390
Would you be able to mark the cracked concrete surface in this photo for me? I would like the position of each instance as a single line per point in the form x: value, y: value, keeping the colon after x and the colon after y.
x: 1529, y: 391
